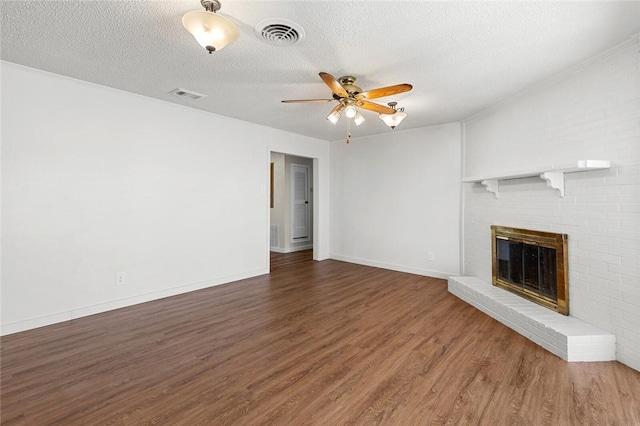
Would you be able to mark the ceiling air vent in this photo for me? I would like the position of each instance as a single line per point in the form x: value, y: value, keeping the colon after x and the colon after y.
x: 279, y: 32
x: 186, y: 94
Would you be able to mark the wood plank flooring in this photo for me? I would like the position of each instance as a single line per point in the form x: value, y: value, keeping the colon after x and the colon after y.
x: 312, y: 343
x: 280, y: 260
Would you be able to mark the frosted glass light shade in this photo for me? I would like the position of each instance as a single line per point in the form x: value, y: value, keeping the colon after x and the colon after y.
x: 392, y: 120
x: 211, y: 31
x: 358, y: 119
x: 333, y: 117
x: 350, y: 111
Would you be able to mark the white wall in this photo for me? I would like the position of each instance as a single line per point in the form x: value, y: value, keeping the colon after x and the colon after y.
x: 97, y: 181
x: 592, y: 113
x: 279, y: 201
x: 395, y: 197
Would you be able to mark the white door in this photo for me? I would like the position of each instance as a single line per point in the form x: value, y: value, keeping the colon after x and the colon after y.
x: 300, y: 208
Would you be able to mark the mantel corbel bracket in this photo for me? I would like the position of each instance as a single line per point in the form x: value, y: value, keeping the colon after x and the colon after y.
x: 554, y: 180
x: 553, y: 175
x: 493, y: 186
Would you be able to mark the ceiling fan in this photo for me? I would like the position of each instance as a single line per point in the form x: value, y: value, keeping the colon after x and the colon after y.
x: 350, y: 97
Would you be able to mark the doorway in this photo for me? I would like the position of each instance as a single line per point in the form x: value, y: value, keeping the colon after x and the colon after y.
x: 291, y: 210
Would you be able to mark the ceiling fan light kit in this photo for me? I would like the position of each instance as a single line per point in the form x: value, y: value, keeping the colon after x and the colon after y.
x: 351, y: 97
x: 333, y: 117
x: 211, y: 31
x: 350, y: 111
x: 392, y: 120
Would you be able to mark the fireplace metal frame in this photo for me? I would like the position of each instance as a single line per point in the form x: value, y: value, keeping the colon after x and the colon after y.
x: 542, y: 239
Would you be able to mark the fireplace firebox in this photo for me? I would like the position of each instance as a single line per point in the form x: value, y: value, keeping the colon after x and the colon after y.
x: 532, y: 264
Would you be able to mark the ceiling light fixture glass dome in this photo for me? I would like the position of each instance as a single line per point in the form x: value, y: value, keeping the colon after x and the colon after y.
x: 392, y: 120
x: 211, y: 31
x: 333, y: 116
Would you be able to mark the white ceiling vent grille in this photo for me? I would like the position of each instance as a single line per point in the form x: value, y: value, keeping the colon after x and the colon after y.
x: 279, y: 32
x: 186, y: 94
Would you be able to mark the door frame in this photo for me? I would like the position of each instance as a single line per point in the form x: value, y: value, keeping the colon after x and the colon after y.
x: 317, y: 255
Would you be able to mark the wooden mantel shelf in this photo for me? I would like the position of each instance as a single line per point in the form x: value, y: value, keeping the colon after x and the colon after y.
x: 553, y: 175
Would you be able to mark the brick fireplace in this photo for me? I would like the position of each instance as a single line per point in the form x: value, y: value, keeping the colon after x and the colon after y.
x: 529, y: 282
x: 589, y: 113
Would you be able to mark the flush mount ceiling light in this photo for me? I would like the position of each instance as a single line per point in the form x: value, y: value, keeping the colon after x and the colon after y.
x: 211, y: 31
x: 392, y: 120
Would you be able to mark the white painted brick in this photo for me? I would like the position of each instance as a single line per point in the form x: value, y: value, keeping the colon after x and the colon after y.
x: 632, y: 244
x: 592, y: 114
x: 606, y: 259
x: 634, y: 338
x: 591, y: 347
x: 621, y: 199
x: 604, y: 274
x: 630, y: 189
x: 592, y: 356
x: 600, y: 237
x: 624, y: 216
x: 591, y: 261
x: 630, y: 270
x: 624, y: 180
x: 555, y: 350
x: 602, y: 190
x: 579, y: 339
x: 620, y: 321
x: 631, y: 151
x: 627, y: 308
x: 556, y: 333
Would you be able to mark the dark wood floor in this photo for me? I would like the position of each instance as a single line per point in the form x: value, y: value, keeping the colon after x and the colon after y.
x: 322, y: 343
x: 281, y: 260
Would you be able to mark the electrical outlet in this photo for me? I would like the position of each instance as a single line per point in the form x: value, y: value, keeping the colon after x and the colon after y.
x: 120, y: 278
x: 430, y: 256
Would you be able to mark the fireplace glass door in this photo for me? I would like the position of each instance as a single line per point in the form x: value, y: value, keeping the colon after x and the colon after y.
x: 532, y: 264
x: 530, y: 267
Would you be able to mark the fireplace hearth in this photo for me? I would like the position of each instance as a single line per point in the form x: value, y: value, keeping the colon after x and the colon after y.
x: 532, y: 264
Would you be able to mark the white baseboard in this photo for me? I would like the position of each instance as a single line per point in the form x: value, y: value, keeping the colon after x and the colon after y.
x: 84, y: 311
x: 299, y: 248
x: 394, y: 267
x: 292, y: 249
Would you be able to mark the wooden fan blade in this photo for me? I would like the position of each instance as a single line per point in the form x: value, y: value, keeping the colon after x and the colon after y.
x: 291, y: 101
x: 338, y: 109
x: 334, y: 85
x: 384, y: 91
x: 372, y: 106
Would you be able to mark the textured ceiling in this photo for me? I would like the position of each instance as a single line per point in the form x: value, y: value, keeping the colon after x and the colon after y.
x: 461, y: 57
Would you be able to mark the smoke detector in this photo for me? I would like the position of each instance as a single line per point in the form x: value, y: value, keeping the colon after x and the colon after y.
x: 279, y: 32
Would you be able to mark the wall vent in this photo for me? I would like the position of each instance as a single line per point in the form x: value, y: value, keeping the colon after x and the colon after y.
x: 279, y: 32
x: 275, y: 235
x: 186, y: 94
